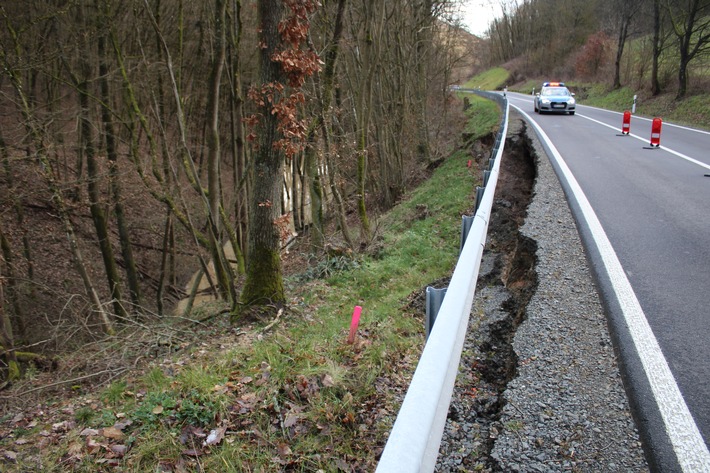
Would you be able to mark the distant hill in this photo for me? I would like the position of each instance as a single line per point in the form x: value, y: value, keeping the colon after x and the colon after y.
x: 470, y: 52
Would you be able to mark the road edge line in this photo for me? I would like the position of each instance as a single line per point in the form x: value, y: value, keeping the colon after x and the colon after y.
x: 688, y: 445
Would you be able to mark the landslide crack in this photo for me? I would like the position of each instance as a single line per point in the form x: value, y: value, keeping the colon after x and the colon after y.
x: 506, y: 284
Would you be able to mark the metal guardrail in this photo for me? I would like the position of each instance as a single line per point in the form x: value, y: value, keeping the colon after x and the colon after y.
x: 413, y: 444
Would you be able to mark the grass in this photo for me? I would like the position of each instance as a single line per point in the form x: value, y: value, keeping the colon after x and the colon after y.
x: 480, y: 116
x: 297, y: 397
x: 491, y: 79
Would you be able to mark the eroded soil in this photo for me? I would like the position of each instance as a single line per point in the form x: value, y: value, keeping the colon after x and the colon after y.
x: 506, y: 283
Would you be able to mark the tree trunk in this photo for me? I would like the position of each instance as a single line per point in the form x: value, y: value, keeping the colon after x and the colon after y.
x: 114, y: 180
x: 685, y: 33
x: 212, y: 242
x: 296, y: 185
x: 338, y: 200
x: 164, y: 262
x: 655, y: 84
x: 37, y: 139
x: 424, y: 39
x: 364, y: 109
x: 7, y: 341
x: 241, y: 184
x: 623, y: 33
x: 264, y: 279
x: 690, y: 23
x: 214, y: 191
x: 682, y: 75
x: 315, y: 189
x: 93, y: 174
x: 14, y: 295
x: 323, y: 121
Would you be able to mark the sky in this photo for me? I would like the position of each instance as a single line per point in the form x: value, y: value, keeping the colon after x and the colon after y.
x: 477, y: 14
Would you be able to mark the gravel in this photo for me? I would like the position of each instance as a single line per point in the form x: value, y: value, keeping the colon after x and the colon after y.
x: 565, y: 408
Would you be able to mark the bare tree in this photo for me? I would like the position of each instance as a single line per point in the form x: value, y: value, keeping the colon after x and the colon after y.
x: 110, y: 140
x: 323, y: 122
x: 7, y: 340
x: 525, y: 30
x: 624, y: 11
x: 88, y: 150
x: 690, y: 23
x: 40, y: 144
x: 655, y: 84
x: 238, y: 132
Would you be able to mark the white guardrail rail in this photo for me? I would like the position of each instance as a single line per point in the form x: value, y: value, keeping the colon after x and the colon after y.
x: 413, y: 443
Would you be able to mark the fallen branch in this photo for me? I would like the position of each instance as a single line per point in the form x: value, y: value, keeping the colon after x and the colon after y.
x: 66, y: 381
x: 273, y: 322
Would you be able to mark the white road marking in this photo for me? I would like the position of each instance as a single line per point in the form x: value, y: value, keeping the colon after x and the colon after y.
x: 680, y: 155
x: 688, y: 445
x: 648, y: 120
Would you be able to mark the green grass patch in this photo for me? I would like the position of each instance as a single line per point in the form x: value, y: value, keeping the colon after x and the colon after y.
x: 599, y: 96
x: 490, y: 79
x: 526, y: 87
x: 482, y: 115
x: 693, y: 110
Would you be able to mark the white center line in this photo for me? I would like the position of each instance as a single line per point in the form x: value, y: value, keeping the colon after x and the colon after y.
x: 680, y: 155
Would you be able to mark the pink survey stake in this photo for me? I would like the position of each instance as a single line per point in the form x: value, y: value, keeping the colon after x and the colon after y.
x: 354, y: 323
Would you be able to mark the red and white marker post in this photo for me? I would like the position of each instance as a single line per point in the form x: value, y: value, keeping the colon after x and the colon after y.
x: 626, y: 124
x: 656, y: 132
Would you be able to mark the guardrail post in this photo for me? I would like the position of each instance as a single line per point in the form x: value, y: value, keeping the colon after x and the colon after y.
x: 486, y: 176
x: 479, y: 196
x: 466, y: 222
x: 494, y: 151
x: 434, y: 298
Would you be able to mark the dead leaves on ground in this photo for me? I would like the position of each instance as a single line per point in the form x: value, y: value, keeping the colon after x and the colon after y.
x: 260, y: 414
x: 107, y: 444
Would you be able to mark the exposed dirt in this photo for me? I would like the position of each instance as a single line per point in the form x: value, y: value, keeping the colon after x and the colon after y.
x: 506, y: 283
x: 514, y: 255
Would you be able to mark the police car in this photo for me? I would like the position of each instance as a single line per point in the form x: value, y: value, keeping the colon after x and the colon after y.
x: 554, y: 97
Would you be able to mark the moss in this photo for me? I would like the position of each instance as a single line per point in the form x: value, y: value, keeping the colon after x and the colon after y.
x: 264, y: 283
x: 13, y: 373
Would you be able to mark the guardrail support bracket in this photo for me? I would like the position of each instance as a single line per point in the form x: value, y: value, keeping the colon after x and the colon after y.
x: 434, y: 298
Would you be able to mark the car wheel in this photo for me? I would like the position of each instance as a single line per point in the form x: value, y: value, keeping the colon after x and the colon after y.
x: 571, y: 113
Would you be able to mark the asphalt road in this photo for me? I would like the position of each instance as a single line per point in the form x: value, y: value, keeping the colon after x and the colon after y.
x: 646, y: 211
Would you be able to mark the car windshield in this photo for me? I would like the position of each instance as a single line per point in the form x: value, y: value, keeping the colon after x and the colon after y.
x: 555, y: 91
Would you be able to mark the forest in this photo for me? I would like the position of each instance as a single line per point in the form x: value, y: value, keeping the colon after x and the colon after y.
x: 667, y: 42
x: 144, y: 142
x: 160, y: 153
